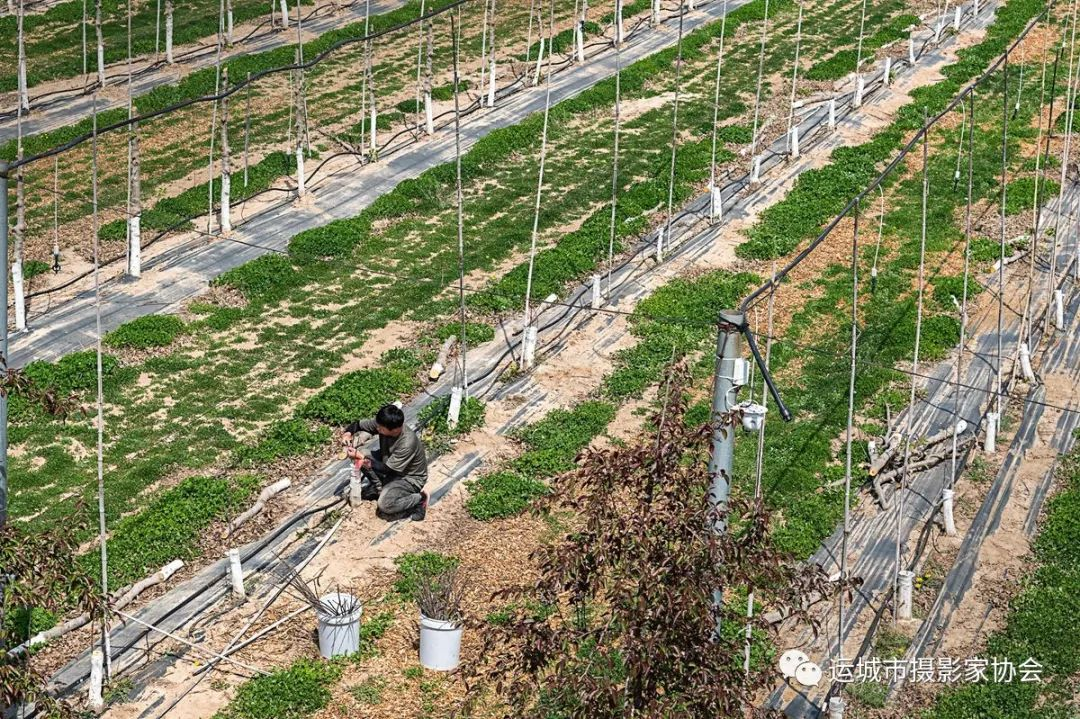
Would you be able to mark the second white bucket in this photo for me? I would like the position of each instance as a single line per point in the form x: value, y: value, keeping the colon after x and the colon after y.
x: 339, y: 635
x: 440, y: 644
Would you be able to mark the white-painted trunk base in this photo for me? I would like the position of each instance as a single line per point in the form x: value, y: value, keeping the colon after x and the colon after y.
x: 453, y: 413
x: 755, y: 172
x: 947, y: 512
x: 491, y: 83
x: 226, y: 210
x: 97, y: 672
x: 860, y: 87
x: 236, y: 574
x: 374, y: 131
x: 134, y: 266
x: 1025, y: 362
x: 886, y: 75
x: 911, y: 51
x: 990, y: 441
x: 660, y: 245
x: 1059, y: 310
x: 794, y: 142
x: 284, y: 14
x: 717, y: 204
x: 903, y: 605
x: 429, y: 115
x: 596, y: 292
x: 18, y: 291
x: 832, y: 113
x: 579, y: 43
x: 528, y: 349
x: 539, y: 63
x: 957, y: 16
x: 836, y: 708
x: 301, y: 190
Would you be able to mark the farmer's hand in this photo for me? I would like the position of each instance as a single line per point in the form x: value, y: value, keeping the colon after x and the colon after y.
x: 346, y: 437
x: 366, y: 463
x: 352, y: 452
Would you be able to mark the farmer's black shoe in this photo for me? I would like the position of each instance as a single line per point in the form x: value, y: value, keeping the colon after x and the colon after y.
x: 421, y: 509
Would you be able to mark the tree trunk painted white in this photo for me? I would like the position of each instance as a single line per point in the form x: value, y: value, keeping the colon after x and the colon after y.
x: 100, y: 45
x: 911, y: 51
x: 860, y: 86
x: 301, y: 126
x: 168, y: 31
x: 947, y: 512
x: 97, y: 670
x: 794, y: 142
x: 134, y: 267
x: 990, y: 441
x: 655, y: 18
x: 284, y: 14
x: 491, y: 83
x: 620, y: 34
x: 579, y: 42
x: 226, y: 160
x: 832, y: 113
x: 24, y: 95
x: 539, y: 62
x: 374, y: 129
x: 228, y: 22
x: 236, y: 573
x: 19, y: 236
x: 373, y: 122
x: 887, y: 72
x: 907, y: 578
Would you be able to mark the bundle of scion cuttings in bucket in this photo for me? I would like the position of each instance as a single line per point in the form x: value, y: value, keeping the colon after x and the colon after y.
x: 331, y: 604
x: 440, y: 595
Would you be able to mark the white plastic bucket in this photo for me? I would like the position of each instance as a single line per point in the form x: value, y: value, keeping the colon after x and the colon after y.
x: 339, y: 635
x: 440, y: 644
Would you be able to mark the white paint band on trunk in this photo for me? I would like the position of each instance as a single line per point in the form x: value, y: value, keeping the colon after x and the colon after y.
x: 453, y: 413
x: 236, y: 574
x: 907, y: 583
x: 947, y: 512
x: 97, y: 672
x: 134, y: 267
x: 990, y: 441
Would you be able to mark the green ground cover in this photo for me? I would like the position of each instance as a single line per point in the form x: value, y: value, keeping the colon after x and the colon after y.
x: 1041, y: 623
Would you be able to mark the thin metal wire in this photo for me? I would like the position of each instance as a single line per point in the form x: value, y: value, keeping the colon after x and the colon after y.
x: 908, y: 432
x: 674, y: 130
x: 759, y: 464
x: 615, y: 154
x: 716, y: 98
x: 540, y: 177
x: 862, y: 34
x: 1001, y: 257
x: 213, y: 122
x: 1065, y: 154
x: 850, y: 436
x: 964, y: 298
x: 104, y: 552
x: 460, y: 205
x: 794, y: 74
x: 1025, y: 322
x: 761, y: 70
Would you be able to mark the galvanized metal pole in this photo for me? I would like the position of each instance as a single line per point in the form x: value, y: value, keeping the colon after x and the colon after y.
x: 3, y: 341
x: 730, y: 367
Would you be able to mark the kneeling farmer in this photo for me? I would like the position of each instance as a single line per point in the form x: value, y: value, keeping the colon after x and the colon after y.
x: 400, y: 463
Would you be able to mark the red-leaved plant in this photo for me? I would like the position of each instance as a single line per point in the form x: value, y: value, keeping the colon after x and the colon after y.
x: 630, y: 588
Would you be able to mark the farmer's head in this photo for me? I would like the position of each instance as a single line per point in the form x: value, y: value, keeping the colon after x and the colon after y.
x: 389, y: 420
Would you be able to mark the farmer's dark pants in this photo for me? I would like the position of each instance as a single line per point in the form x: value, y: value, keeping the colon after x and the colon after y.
x: 399, y: 495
